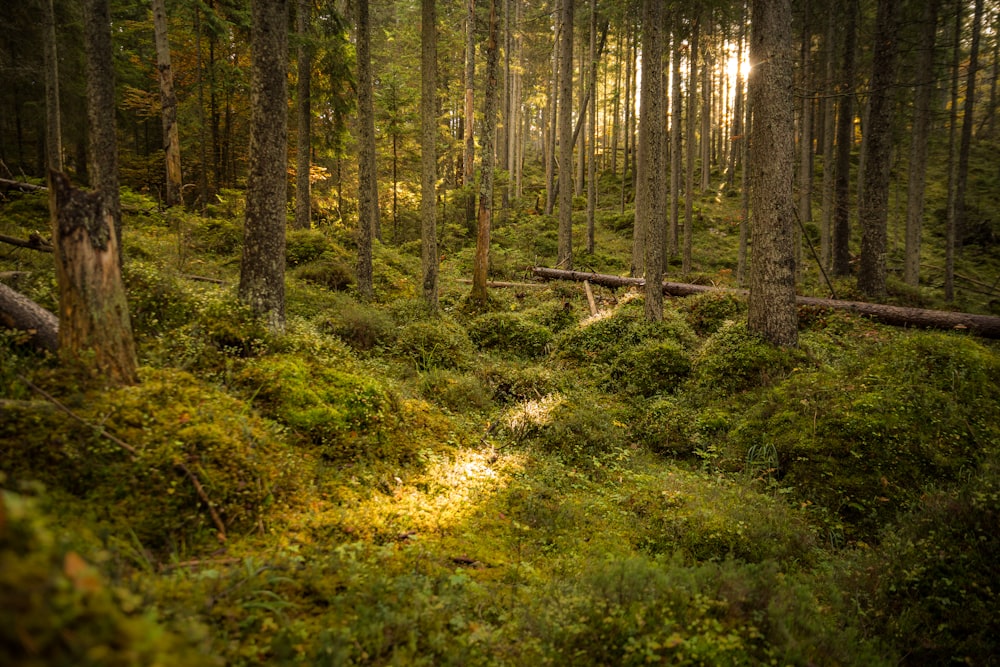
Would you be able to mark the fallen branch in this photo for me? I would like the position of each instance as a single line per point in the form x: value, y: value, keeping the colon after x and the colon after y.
x: 8, y: 184
x: 590, y: 297
x: 204, y: 279
x: 34, y: 242
x: 501, y: 284
x: 986, y: 326
x: 216, y: 519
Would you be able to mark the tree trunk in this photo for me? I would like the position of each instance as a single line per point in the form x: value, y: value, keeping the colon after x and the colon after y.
x: 592, y: 134
x: 565, y: 236
x: 262, y: 270
x: 303, y: 149
x: 650, y: 201
x: 875, y: 203
x: 772, y: 311
x: 919, y: 142
x: 53, y: 125
x: 980, y: 325
x: 485, y: 213
x: 962, y: 180
x: 553, y: 114
x: 21, y: 313
x: 468, y: 159
x: 676, y: 133
x: 103, y: 157
x: 428, y: 150
x: 367, y: 194
x: 706, y: 107
x: 690, y: 148
x: 845, y: 139
x: 171, y: 138
x: 627, y: 132
x: 94, y: 327
x: 950, y: 232
x: 829, y: 122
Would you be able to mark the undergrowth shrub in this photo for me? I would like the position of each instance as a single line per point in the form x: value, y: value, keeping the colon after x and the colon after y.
x: 435, y: 343
x: 157, y: 300
x: 57, y: 609
x: 664, y: 426
x: 554, y: 314
x: 343, y: 413
x: 305, y: 245
x: 512, y: 382
x: 329, y: 272
x: 649, y: 368
x: 220, y: 236
x: 361, y: 326
x: 509, y: 332
x: 707, y: 312
x: 581, y: 432
x: 601, y: 339
x: 458, y: 392
x: 733, y: 360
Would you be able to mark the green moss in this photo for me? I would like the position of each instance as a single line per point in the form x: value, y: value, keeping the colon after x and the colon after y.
x: 511, y: 333
x: 707, y: 312
x: 435, y: 343
x: 734, y: 360
x: 649, y: 368
x: 458, y: 392
x: 56, y: 608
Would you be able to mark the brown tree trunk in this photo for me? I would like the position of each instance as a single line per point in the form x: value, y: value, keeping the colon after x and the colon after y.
x: 845, y: 139
x: 94, y: 326
x: 676, y: 134
x: 772, y: 311
x: 565, y: 235
x: 689, y: 147
x: 303, y: 150
x: 592, y: 132
x: 103, y: 156
x: 919, y: 142
x: 468, y: 160
x: 262, y: 270
x: 367, y: 193
x: 649, y: 216
x: 428, y: 158
x: 485, y: 213
x: 53, y: 125
x: 171, y: 139
x: 875, y: 202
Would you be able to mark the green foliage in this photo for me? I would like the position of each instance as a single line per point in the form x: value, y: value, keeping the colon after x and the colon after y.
x: 216, y: 236
x: 435, y: 343
x: 512, y: 382
x: 343, y: 413
x: 305, y: 245
x: 57, y: 609
x: 334, y: 274
x: 734, y: 360
x: 649, y: 368
x: 509, y: 332
x: 602, y: 339
x: 708, y: 312
x: 158, y: 301
x: 361, y: 326
x: 458, y: 392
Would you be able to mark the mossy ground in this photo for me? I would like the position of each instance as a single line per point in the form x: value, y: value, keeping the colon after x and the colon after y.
x: 519, y: 485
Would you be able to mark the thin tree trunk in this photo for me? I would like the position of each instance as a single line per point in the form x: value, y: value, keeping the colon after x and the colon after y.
x: 565, y: 236
x: 303, y: 150
x: 553, y: 119
x: 845, y: 139
x: 428, y: 153
x: 629, y: 69
x: 53, y: 125
x: 203, y: 144
x: 690, y: 149
x: 171, y: 137
x: 262, y: 271
x: 103, y: 157
x: 468, y: 160
x: 367, y: 194
x: 961, y: 183
x: 650, y: 201
x: 676, y: 133
x: 592, y: 126
x: 485, y: 214
x: 706, y: 107
x: 805, y: 133
x: 950, y: 232
x: 829, y: 123
x: 874, y: 210
x: 919, y: 143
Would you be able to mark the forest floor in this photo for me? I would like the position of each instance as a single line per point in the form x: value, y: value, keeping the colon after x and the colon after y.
x: 519, y: 484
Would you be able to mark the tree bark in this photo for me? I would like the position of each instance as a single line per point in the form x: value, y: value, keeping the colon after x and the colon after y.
x: 367, y: 193
x: 53, y: 125
x: 650, y: 199
x: 950, y: 226
x: 592, y: 132
x: 689, y: 149
x: 303, y: 150
x: 845, y: 139
x: 981, y: 325
x: 171, y: 139
x: 676, y: 133
x: 103, y: 156
x: 968, y: 112
x: 919, y: 143
x: 428, y: 158
x: 490, y: 104
x: 874, y: 212
x: 468, y: 159
x: 553, y: 113
x: 772, y: 311
x: 94, y: 327
x: 565, y: 235
x: 21, y: 313
x: 262, y: 270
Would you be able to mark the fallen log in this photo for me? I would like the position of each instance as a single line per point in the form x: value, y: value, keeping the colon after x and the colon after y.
x: 19, y: 312
x: 8, y: 184
x: 34, y: 242
x: 986, y: 326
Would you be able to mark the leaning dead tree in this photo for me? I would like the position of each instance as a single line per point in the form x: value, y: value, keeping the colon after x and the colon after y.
x: 982, y: 325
